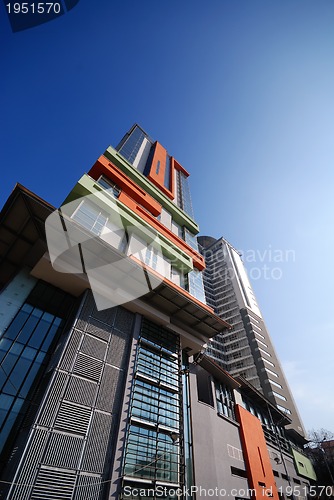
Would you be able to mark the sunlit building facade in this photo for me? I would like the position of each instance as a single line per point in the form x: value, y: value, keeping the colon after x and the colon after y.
x: 247, y: 349
x: 105, y: 388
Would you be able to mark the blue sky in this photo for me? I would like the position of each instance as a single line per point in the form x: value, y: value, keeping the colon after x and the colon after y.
x: 241, y: 93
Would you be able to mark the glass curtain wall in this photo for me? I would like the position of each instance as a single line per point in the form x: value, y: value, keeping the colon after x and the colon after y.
x: 24, y: 349
x: 153, y: 449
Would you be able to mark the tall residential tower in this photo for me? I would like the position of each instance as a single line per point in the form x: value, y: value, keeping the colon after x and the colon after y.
x: 247, y: 349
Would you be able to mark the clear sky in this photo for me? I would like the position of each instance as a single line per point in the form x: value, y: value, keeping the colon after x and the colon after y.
x: 241, y: 92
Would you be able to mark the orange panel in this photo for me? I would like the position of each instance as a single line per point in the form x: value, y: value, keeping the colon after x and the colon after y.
x: 157, y: 169
x: 259, y: 470
x: 104, y: 167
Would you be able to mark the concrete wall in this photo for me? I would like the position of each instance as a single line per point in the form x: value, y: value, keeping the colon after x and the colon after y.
x: 216, y: 446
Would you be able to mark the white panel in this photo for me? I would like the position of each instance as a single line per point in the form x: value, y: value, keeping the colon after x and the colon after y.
x: 243, y: 282
x: 112, y: 234
x: 176, y: 228
x: 142, y: 155
x: 166, y: 218
x: 163, y: 266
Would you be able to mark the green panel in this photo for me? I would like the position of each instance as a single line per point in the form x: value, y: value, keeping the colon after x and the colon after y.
x: 304, y: 465
x: 87, y: 186
x: 179, y: 216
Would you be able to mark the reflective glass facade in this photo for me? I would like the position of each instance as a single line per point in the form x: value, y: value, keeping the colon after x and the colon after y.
x: 130, y: 147
x: 151, y: 453
x: 23, y: 351
x: 167, y: 172
x: 195, y: 285
x: 183, y: 193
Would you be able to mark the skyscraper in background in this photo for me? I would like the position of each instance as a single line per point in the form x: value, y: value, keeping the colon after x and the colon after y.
x: 247, y: 349
x: 105, y: 385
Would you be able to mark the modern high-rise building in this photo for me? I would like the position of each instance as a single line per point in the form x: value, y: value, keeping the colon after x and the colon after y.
x: 247, y: 348
x: 105, y: 388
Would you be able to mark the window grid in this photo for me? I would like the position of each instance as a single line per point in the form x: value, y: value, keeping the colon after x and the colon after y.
x: 155, y: 408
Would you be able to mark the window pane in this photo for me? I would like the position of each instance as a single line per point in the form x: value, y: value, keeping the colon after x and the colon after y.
x: 29, y: 326
x: 5, y: 404
x: 18, y: 322
x: 40, y: 333
x: 32, y: 374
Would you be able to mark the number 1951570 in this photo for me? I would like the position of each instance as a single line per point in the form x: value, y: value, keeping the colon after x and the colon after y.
x: 34, y: 8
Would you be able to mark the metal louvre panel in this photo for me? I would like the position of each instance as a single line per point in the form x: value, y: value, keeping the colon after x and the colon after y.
x: 63, y: 450
x: 73, y: 418
x: 124, y: 321
x: 54, y: 484
x: 111, y: 379
x: 71, y: 349
x: 88, y: 487
x: 106, y: 316
x: 117, y: 352
x: 52, y: 402
x: 85, y: 312
x: 28, y: 471
x: 88, y: 367
x: 98, y: 329
x: 81, y: 391
x: 97, y: 443
x: 93, y: 347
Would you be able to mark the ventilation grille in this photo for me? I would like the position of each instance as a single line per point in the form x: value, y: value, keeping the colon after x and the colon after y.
x: 85, y: 312
x: 72, y: 347
x: 98, y: 329
x: 53, y: 399
x: 28, y: 471
x: 124, y: 320
x: 117, y: 352
x: 88, y: 367
x: 73, y: 418
x: 54, y: 484
x: 109, y: 384
x: 81, y: 391
x: 88, y: 487
x: 93, y: 347
x: 63, y: 450
x: 106, y: 316
x: 97, y: 443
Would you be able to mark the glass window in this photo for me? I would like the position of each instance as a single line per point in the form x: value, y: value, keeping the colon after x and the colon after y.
x: 29, y: 326
x: 167, y: 173
x: 151, y: 453
x: 225, y: 400
x: 20, y: 351
x: 18, y: 322
x: 196, y: 286
x: 5, y: 404
x: 90, y: 216
x: 109, y: 185
x: 40, y: 331
x: 20, y: 371
x: 183, y: 196
x: 7, y: 427
x: 131, y: 146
